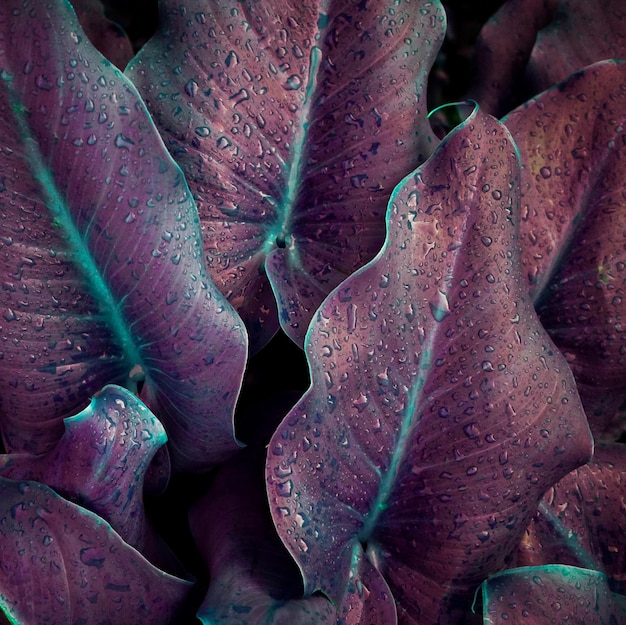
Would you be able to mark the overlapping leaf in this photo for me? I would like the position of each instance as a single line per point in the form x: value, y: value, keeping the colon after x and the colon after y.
x: 101, y: 264
x: 100, y: 463
x: 253, y: 578
x: 292, y: 123
x: 439, y: 411
x: 530, y: 45
x: 544, y: 595
x: 581, y: 521
x: 572, y: 146
x: 61, y: 564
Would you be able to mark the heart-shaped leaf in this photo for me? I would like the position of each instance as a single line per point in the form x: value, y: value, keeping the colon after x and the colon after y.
x: 253, y: 578
x: 573, y: 153
x: 60, y: 564
x: 100, y: 463
x: 292, y: 123
x: 101, y: 266
x: 581, y: 521
x: 544, y: 595
x: 439, y: 411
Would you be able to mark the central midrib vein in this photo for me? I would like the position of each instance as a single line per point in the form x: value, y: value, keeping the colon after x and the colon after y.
x: 84, y: 262
x: 294, y: 178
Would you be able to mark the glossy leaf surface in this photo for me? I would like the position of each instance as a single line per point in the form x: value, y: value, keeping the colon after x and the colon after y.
x: 100, y: 463
x: 253, y: 578
x: 103, y: 279
x: 61, y: 564
x: 544, y: 595
x: 573, y: 153
x: 292, y: 123
x: 439, y: 411
x: 581, y: 521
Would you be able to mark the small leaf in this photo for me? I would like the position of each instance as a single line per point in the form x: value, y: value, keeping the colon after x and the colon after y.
x: 293, y: 122
x: 100, y: 463
x: 439, y: 410
x: 101, y: 260
x: 61, y: 564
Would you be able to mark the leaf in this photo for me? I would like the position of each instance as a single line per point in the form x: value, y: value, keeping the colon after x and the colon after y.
x: 544, y: 595
x: 107, y: 36
x: 62, y: 564
x: 100, y: 463
x: 581, y: 520
x: 439, y: 410
x: 580, y: 34
x: 572, y: 148
x: 292, y: 123
x: 530, y: 45
x: 100, y: 258
x: 253, y: 579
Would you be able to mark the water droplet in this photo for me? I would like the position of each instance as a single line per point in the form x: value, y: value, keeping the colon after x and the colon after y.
x: 486, y: 241
x: 130, y: 218
x: 361, y: 402
x: 440, y: 308
x: 43, y: 83
x: 191, y: 88
x: 232, y: 59
x: 123, y: 142
x: 471, y: 430
x: 351, y: 318
x: 292, y: 83
x: 545, y: 172
x: 284, y: 488
x: 223, y: 143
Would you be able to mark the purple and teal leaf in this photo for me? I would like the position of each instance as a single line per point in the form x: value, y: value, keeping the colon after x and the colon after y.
x: 581, y: 521
x: 439, y: 411
x: 60, y: 564
x: 573, y: 152
x: 101, y: 263
x: 292, y: 123
x: 544, y: 595
x: 100, y: 463
x: 253, y: 579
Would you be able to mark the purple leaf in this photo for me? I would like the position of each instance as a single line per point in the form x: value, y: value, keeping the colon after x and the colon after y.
x: 101, y: 254
x: 439, y: 411
x: 253, y: 578
x: 107, y: 36
x: 530, y: 45
x: 502, y: 51
x: 61, y: 564
x: 292, y: 123
x: 581, y: 520
x: 571, y: 142
x: 545, y: 595
x: 100, y: 463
